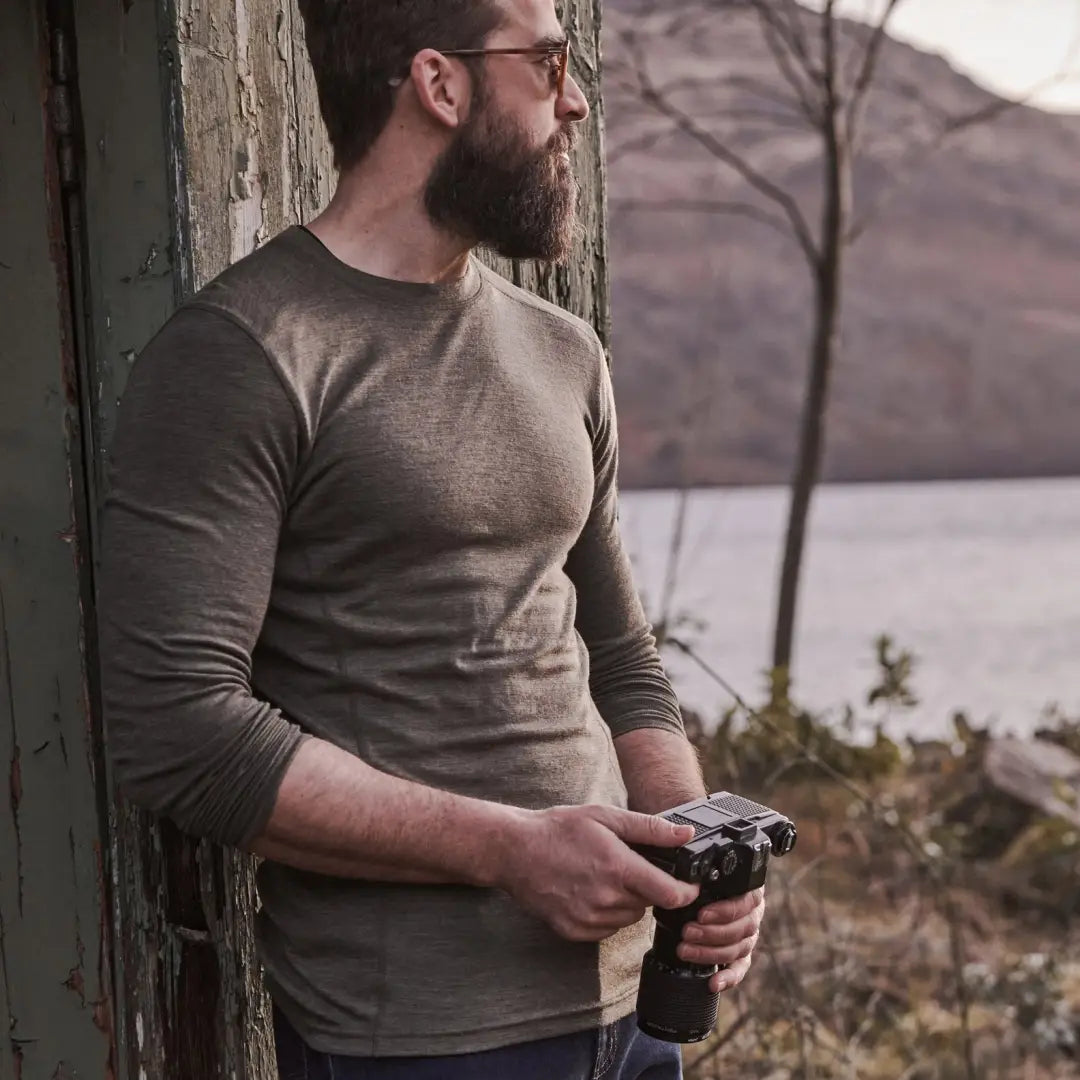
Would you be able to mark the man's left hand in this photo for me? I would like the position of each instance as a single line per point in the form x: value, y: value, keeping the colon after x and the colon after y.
x: 725, y: 933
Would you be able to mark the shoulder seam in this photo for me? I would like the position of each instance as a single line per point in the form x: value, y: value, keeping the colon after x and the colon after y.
x: 272, y: 363
x: 538, y: 303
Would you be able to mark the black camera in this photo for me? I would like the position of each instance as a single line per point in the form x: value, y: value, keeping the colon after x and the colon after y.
x: 729, y: 856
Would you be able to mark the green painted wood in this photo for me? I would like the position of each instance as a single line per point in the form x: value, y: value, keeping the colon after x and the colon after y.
x: 54, y: 971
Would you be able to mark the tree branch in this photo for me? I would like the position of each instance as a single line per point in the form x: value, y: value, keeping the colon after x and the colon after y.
x: 758, y: 117
x: 790, y: 18
x: 693, y: 20
x: 706, y: 206
x: 645, y: 141
x: 736, y: 162
x: 759, y: 88
x: 865, y: 77
x: 873, y: 51
x: 791, y: 58
x: 785, y: 111
x: 828, y: 51
x: 722, y: 1041
x: 904, y: 170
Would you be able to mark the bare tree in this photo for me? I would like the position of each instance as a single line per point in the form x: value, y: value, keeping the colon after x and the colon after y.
x: 826, y: 68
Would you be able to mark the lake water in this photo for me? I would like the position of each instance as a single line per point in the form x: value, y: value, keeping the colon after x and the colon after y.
x: 980, y: 580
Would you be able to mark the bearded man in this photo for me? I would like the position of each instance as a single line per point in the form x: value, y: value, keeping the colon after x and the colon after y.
x: 365, y: 610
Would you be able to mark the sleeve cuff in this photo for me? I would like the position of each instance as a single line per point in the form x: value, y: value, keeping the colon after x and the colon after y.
x: 638, y: 721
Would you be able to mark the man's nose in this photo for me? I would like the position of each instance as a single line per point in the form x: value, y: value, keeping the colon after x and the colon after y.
x: 572, y: 106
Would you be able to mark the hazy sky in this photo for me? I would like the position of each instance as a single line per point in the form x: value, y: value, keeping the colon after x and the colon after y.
x: 1010, y: 46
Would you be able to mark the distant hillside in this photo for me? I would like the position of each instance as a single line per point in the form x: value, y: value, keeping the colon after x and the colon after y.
x: 962, y: 317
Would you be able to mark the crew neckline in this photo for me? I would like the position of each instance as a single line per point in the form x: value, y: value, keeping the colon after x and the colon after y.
x: 438, y: 294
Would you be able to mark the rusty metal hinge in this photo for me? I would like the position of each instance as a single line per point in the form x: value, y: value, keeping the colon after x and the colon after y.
x: 62, y: 108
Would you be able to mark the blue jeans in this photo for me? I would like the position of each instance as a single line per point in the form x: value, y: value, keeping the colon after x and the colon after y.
x: 616, y: 1052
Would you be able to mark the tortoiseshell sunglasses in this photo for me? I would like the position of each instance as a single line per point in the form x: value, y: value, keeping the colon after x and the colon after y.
x: 559, y: 52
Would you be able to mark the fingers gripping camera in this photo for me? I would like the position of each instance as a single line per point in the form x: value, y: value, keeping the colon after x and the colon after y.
x: 729, y: 856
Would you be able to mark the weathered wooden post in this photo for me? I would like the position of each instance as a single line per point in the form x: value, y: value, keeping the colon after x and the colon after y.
x: 155, y: 143
x: 55, y: 976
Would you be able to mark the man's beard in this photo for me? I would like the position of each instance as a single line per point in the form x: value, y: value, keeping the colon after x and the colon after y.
x: 496, y: 190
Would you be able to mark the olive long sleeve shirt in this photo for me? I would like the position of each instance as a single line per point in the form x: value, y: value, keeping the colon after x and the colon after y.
x: 382, y: 514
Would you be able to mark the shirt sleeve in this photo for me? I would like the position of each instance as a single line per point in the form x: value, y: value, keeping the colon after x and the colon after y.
x: 626, y: 677
x: 201, y: 465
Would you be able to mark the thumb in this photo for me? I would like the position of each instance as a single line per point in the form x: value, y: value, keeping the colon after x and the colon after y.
x: 634, y: 828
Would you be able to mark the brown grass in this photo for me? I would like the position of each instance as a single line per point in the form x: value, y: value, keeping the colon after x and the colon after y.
x: 902, y: 941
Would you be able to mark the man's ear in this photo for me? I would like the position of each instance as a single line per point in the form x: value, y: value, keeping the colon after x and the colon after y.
x: 443, y: 88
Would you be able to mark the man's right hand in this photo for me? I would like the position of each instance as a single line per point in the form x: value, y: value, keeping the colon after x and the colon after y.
x: 571, y: 866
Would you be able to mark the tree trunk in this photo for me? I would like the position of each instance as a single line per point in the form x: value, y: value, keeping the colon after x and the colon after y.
x: 828, y: 281
x: 582, y: 286
x: 126, y: 949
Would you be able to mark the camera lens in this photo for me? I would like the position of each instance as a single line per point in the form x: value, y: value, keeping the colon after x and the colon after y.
x: 675, y: 1003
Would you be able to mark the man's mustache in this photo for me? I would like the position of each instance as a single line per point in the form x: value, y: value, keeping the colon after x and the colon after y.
x: 563, y: 141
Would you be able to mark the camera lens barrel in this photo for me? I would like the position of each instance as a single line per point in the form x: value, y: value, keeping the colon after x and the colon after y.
x: 675, y: 1003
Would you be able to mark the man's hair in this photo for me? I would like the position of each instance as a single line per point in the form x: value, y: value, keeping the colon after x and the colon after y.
x: 358, y: 46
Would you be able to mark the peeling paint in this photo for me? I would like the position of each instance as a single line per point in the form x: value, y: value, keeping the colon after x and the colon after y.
x: 15, y: 785
x: 76, y: 983
x: 4, y: 975
x: 102, y: 1008
x: 247, y: 203
x: 151, y: 256
x: 102, y: 1015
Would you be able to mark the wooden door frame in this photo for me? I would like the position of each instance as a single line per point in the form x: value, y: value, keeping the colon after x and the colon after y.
x: 55, y: 870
